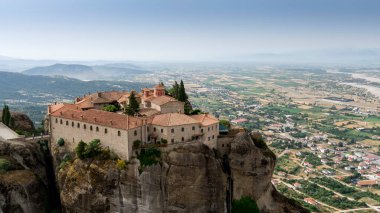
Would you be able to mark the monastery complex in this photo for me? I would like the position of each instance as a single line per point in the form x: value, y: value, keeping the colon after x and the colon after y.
x: 161, y: 117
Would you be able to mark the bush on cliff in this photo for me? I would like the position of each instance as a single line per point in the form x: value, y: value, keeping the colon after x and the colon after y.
x: 244, y: 205
x: 61, y: 142
x: 80, y: 149
x: 148, y: 157
x: 4, y: 165
x: 94, y: 149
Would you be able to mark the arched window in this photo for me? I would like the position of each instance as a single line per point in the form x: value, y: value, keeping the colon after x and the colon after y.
x: 172, y: 130
x: 60, y: 121
x: 118, y: 133
x: 183, y: 139
x: 72, y: 124
x: 97, y: 129
x: 56, y: 120
x: 78, y: 125
x: 84, y: 126
x: 90, y: 128
x: 182, y: 129
x: 154, y: 129
x: 201, y: 130
x: 208, y: 138
x: 105, y: 130
x: 208, y: 129
x: 135, y: 133
x: 67, y: 123
x: 172, y: 140
x: 213, y: 137
x: 193, y: 128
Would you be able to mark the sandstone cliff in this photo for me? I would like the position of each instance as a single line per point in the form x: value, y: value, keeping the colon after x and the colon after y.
x: 190, y: 178
x: 23, y: 186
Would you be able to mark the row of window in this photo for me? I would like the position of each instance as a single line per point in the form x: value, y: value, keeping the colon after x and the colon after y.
x: 91, y: 128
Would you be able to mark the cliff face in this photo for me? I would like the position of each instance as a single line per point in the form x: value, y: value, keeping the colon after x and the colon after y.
x: 190, y: 178
x: 23, y: 186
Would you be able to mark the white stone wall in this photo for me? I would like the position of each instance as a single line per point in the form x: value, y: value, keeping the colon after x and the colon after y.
x: 210, y: 133
x: 72, y: 135
x: 177, y: 135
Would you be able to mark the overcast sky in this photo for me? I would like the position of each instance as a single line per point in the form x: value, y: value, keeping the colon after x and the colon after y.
x: 183, y: 29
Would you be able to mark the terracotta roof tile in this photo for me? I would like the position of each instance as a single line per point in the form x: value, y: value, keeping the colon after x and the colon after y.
x: 161, y: 100
x: 205, y: 119
x: 173, y: 119
x: 98, y: 117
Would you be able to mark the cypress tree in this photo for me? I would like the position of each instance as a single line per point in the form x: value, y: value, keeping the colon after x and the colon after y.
x: 174, y: 90
x: 182, y: 96
x: 133, y: 106
x: 6, y: 117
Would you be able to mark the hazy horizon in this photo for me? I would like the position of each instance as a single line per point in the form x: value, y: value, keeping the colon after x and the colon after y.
x: 185, y: 30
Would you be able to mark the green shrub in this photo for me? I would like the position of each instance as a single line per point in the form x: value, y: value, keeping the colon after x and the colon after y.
x: 80, y: 149
x: 136, y: 144
x: 4, y: 165
x: 149, y: 156
x: 163, y: 141
x: 244, y: 205
x: 93, y: 149
x: 110, y: 108
x: 121, y: 164
x: 61, y: 142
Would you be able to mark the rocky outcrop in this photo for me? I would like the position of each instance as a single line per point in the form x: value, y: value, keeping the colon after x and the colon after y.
x: 189, y: 178
x: 22, y: 122
x: 23, y: 184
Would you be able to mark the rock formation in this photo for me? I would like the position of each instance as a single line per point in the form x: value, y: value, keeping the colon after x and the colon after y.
x: 190, y: 178
x: 23, y: 186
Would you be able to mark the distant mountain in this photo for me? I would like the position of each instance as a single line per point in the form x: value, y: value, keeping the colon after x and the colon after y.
x: 84, y: 72
x: 31, y: 93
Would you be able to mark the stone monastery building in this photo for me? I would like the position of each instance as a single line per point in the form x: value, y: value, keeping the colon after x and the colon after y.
x: 160, y: 117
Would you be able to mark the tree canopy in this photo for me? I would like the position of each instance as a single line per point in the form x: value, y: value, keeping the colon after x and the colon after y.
x: 7, y: 117
x: 133, y: 106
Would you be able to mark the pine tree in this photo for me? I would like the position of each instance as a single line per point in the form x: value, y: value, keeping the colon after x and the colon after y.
x: 133, y: 106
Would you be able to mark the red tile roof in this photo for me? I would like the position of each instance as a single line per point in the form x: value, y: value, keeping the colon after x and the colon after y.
x: 173, y: 119
x: 205, y: 119
x: 98, y: 117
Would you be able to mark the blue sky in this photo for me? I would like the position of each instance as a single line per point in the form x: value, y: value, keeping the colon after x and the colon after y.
x: 183, y: 29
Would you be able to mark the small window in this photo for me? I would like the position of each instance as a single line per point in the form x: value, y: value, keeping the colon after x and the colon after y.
x: 72, y: 124
x: 135, y: 133
x: 212, y: 127
x: 67, y: 123
x: 222, y: 145
x: 208, y: 138
x: 154, y: 129
x: 90, y: 128
x: 105, y: 130
x: 60, y: 121
x: 84, y: 126
x: 183, y: 139
x: 201, y: 130
x: 78, y: 125
x: 147, y: 129
x: 172, y: 140
x: 97, y: 129
x: 118, y: 133
x: 182, y: 129
x: 172, y: 130
x: 56, y: 120
x: 193, y: 128
x: 208, y: 129
x: 213, y: 137
x: 228, y: 145
x: 162, y: 130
